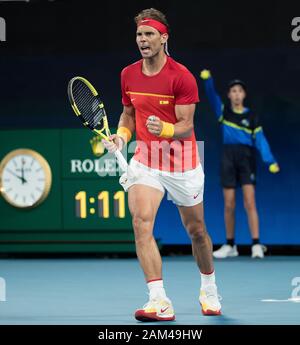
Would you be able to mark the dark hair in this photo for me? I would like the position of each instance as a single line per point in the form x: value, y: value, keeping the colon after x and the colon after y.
x: 153, y: 14
x: 234, y: 82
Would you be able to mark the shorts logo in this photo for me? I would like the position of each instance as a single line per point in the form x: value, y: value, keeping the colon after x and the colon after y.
x: 163, y: 102
x: 252, y: 177
x: 196, y: 196
x: 125, y: 180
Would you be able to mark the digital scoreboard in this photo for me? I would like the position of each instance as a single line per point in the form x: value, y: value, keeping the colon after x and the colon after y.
x: 85, y: 209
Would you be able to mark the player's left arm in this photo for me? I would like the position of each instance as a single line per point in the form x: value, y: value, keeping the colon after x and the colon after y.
x: 186, y: 97
x: 181, y: 129
x: 185, y: 120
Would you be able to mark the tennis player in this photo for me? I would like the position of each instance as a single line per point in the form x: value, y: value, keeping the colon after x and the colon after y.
x: 242, y: 134
x: 159, y: 97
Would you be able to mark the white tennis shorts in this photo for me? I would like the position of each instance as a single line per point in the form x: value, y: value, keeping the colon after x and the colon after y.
x: 184, y: 189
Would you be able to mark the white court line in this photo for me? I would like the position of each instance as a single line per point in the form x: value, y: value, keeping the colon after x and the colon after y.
x: 293, y: 300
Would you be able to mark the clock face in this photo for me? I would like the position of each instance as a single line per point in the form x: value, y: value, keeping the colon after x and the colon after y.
x: 25, y: 178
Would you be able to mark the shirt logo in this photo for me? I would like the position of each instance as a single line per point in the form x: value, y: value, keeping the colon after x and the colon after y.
x: 163, y: 102
x: 245, y: 122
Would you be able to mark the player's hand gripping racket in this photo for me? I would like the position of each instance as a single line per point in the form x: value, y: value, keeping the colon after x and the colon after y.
x: 90, y: 110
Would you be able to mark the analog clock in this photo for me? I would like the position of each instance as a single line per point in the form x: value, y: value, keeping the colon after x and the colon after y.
x: 25, y: 178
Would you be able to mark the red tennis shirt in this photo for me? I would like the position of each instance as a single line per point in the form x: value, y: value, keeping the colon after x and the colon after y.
x: 158, y: 95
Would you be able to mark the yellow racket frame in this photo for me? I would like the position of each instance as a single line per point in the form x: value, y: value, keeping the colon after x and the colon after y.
x: 104, y: 132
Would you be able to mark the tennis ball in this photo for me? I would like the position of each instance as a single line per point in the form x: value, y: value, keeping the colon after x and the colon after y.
x: 205, y: 74
x: 274, y: 168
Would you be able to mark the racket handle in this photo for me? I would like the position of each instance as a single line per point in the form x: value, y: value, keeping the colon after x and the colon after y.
x: 121, y: 160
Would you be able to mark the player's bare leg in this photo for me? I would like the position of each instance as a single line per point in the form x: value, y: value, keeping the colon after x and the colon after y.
x: 193, y: 220
x: 143, y: 204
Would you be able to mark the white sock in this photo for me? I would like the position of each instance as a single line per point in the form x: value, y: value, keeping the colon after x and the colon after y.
x: 156, y: 289
x: 207, y: 279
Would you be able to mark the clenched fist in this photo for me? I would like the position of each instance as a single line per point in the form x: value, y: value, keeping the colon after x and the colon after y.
x: 154, y: 125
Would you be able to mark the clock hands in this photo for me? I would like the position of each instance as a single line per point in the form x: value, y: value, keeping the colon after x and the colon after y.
x: 25, y: 178
x: 19, y: 177
x: 22, y: 171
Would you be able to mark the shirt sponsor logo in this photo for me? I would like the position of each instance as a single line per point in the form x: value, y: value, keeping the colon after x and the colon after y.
x: 163, y: 102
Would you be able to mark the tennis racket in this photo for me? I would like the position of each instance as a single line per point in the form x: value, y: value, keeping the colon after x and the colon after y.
x: 90, y: 110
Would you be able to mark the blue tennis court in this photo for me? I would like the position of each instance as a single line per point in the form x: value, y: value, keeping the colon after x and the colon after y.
x: 107, y: 291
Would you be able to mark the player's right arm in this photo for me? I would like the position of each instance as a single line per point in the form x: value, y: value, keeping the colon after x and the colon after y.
x: 213, y: 97
x: 126, y: 125
x: 127, y: 118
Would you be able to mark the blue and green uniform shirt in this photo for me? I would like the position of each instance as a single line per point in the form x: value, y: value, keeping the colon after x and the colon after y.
x: 239, y: 128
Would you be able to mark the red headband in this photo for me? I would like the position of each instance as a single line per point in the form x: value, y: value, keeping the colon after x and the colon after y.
x: 162, y: 28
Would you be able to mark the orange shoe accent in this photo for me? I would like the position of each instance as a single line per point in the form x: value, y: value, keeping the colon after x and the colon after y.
x: 209, y: 312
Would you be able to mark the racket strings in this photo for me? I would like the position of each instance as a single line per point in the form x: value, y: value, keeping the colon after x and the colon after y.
x: 83, y: 97
x: 88, y: 104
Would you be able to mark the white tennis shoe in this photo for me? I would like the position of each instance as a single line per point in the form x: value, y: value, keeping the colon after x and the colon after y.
x: 258, y: 251
x: 156, y: 310
x: 209, y: 300
x: 226, y: 251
